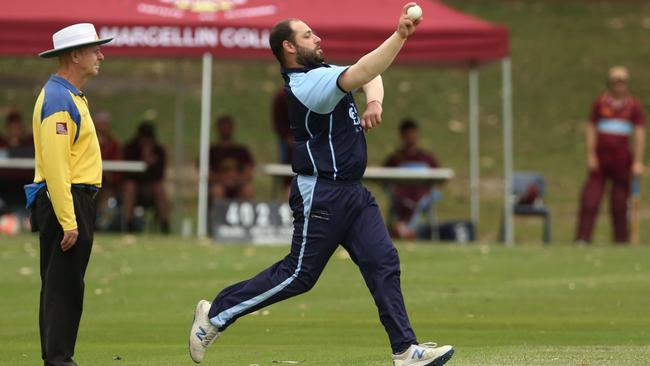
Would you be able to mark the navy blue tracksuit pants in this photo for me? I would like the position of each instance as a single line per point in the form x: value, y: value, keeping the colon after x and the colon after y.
x: 326, y: 214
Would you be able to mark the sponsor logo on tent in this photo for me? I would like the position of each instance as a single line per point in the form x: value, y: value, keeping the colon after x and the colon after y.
x: 186, y: 37
x: 207, y: 36
x: 207, y: 10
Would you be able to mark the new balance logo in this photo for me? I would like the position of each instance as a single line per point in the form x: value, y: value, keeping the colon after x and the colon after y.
x: 201, y: 333
x: 419, y: 353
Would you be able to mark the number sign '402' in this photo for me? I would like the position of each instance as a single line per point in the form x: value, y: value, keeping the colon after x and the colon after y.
x: 251, y: 222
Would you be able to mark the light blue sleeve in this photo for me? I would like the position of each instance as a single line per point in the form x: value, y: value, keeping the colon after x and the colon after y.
x: 318, y: 89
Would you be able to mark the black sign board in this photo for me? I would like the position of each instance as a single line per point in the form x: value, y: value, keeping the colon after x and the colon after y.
x: 252, y: 222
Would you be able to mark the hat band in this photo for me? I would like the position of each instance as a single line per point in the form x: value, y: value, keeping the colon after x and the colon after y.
x: 75, y: 40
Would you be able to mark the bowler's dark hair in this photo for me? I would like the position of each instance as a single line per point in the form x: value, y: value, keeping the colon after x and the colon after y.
x: 279, y: 33
x: 407, y: 124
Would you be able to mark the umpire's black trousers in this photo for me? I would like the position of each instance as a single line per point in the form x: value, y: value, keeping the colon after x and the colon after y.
x: 62, y: 275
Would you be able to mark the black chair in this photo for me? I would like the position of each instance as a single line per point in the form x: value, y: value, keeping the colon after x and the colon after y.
x: 529, y: 189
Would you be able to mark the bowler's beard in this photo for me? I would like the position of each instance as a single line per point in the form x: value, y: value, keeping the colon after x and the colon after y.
x: 308, y: 57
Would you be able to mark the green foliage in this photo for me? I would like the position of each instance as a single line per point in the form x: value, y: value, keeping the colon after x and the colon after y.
x: 561, y: 51
x: 526, y: 305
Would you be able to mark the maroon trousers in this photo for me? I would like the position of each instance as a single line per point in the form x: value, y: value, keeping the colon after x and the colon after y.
x: 614, y: 166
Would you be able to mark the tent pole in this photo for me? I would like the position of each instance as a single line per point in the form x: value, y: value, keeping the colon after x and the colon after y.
x: 206, y: 98
x: 474, y: 144
x: 507, y: 151
x: 178, y: 141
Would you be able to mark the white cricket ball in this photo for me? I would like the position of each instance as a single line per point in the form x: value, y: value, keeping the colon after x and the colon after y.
x: 414, y: 12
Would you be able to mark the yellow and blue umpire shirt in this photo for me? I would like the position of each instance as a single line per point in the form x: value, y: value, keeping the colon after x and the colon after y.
x: 66, y: 146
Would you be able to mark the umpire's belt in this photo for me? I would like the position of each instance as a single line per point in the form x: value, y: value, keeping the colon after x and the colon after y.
x: 88, y: 188
x: 31, y: 190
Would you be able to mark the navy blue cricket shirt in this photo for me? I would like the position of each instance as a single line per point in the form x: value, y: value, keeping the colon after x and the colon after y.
x: 329, y: 139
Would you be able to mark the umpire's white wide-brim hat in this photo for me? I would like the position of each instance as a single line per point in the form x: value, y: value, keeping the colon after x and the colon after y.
x: 74, y: 36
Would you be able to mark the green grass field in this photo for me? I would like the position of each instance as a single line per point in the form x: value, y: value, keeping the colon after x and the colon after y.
x: 525, y: 305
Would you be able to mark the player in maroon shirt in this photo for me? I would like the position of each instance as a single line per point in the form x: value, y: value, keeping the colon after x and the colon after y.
x: 615, y: 116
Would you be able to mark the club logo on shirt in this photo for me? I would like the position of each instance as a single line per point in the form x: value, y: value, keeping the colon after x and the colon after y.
x: 61, y: 128
x: 354, y: 116
x: 606, y: 112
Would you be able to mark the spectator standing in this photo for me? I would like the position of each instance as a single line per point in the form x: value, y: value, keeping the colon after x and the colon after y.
x: 616, y: 116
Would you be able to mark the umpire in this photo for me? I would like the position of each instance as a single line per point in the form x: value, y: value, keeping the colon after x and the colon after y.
x: 67, y: 178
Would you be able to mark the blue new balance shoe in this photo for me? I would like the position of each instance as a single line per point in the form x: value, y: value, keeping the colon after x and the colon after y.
x: 425, y: 354
x: 203, y: 333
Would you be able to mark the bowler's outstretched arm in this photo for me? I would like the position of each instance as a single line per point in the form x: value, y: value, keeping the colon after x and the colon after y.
x: 374, y: 63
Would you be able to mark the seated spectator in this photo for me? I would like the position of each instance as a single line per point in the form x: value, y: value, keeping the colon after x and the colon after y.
x: 16, y: 143
x: 407, y: 198
x: 231, y: 165
x: 111, y: 181
x: 148, y: 188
